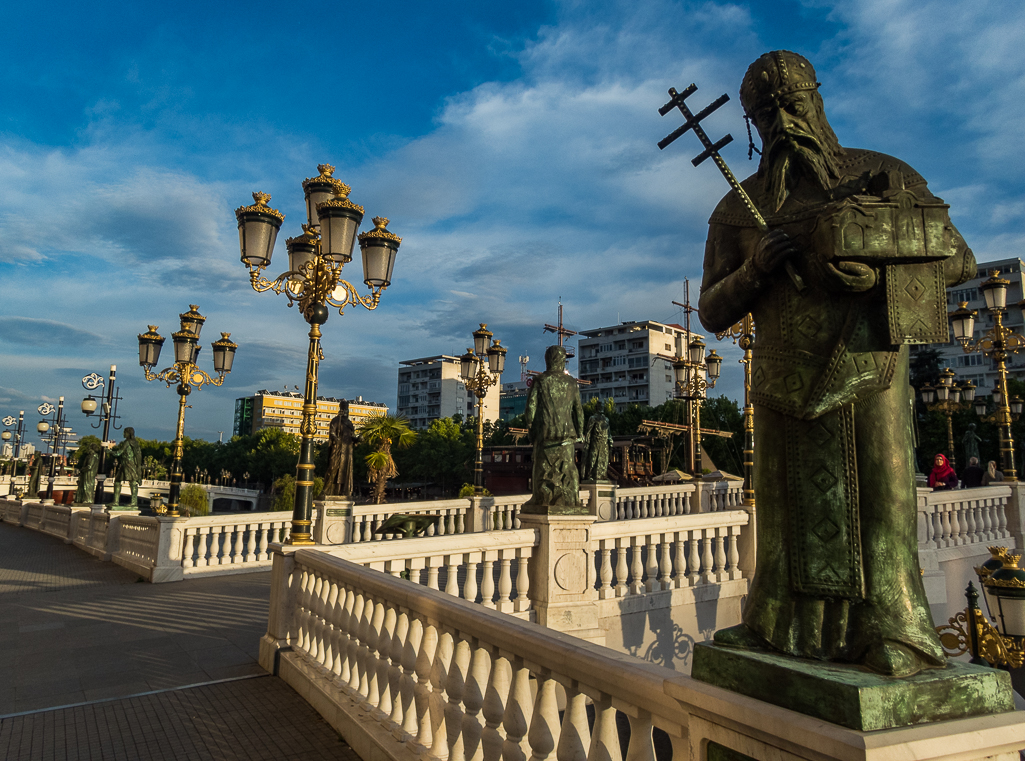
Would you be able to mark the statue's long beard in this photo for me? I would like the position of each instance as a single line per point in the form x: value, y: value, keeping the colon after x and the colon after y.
x: 792, y: 156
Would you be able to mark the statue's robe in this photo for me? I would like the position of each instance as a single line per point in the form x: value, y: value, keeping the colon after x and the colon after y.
x: 834, y: 461
x: 555, y: 418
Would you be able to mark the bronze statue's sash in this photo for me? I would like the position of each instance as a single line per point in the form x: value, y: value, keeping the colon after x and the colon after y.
x: 822, y: 486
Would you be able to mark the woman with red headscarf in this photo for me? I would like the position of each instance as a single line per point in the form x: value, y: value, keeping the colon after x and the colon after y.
x: 942, y: 475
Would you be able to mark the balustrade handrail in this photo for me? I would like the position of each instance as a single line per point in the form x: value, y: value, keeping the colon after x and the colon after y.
x: 638, y: 491
x: 669, y: 523
x: 951, y: 496
x: 239, y: 519
x: 425, y: 506
x: 623, y: 677
x: 433, y: 546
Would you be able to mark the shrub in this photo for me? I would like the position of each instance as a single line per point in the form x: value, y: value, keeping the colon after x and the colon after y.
x: 284, y: 490
x: 467, y: 491
x: 192, y: 501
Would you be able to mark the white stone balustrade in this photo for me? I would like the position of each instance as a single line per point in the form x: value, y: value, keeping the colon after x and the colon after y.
x: 231, y: 544
x: 455, y: 518
x: 404, y: 672
x: 655, y: 501
x: 963, y: 517
x: 488, y: 568
x: 655, y: 554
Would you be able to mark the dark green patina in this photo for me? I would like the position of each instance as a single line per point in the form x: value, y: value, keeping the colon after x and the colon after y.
x: 852, y: 696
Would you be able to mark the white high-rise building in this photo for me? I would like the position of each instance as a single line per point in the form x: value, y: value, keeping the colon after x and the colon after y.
x: 430, y: 388
x: 631, y: 363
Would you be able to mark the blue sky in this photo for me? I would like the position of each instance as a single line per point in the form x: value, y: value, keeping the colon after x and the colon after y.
x: 511, y: 144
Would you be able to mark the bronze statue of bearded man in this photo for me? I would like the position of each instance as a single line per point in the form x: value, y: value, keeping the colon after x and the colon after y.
x: 837, y: 575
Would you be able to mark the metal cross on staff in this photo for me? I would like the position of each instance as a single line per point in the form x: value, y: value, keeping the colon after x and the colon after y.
x: 677, y: 100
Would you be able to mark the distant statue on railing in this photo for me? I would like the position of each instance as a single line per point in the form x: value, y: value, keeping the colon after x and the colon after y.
x: 594, y: 464
x: 555, y: 418
x: 342, y: 438
x: 127, y: 467
x: 88, y: 467
x: 970, y: 443
x: 35, y: 471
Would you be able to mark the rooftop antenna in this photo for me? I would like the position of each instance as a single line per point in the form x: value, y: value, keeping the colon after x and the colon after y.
x: 561, y: 332
x: 524, y: 359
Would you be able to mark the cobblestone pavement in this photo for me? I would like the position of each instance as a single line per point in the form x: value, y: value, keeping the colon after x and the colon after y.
x: 256, y: 719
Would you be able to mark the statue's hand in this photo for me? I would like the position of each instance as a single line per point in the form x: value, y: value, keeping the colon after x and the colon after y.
x: 848, y: 276
x: 773, y: 250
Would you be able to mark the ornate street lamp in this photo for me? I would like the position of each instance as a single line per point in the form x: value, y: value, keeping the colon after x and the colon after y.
x: 313, y: 281
x: 56, y: 422
x: 695, y: 373
x: 946, y: 397
x: 18, y: 436
x: 998, y: 343
x: 480, y: 368
x: 743, y: 334
x: 187, y: 375
x: 108, y: 417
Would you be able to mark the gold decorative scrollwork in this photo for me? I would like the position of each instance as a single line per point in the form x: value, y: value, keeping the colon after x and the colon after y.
x: 997, y: 650
x: 316, y: 282
x: 184, y: 373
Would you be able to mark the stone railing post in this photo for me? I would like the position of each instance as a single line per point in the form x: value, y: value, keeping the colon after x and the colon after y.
x: 478, y: 514
x: 1016, y: 512
x: 167, y: 566
x: 282, y: 605
x: 601, y: 499
x: 562, y: 577
x: 747, y: 543
x: 702, y: 499
x: 334, y: 520
x: 78, y: 513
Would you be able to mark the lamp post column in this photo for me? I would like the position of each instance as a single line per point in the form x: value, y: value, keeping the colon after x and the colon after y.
x: 101, y: 473
x: 478, y: 465
x: 54, y: 447
x: 746, y: 342
x: 1006, y: 439
x: 302, y: 510
x: 178, y: 452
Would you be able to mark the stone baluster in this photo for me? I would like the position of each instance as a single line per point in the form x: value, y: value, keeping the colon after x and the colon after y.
x: 622, y: 572
x: 265, y: 530
x: 385, y: 645
x: 410, y: 652
x: 305, y: 584
x: 238, y: 554
x: 636, y: 566
x: 398, y: 646
x: 252, y: 529
x: 473, y: 701
x: 605, y: 735
x: 203, y: 556
x: 346, y: 601
x: 987, y: 521
x: 680, y: 559
x: 504, y: 583
x: 352, y: 649
x: 432, y: 572
x: 693, y: 557
x: 574, y: 735
x: 452, y: 574
x: 375, y: 632
x: 487, y: 582
x: 734, y: 553
x: 523, y: 579
x: 455, y: 691
x: 364, y: 634
x: 641, y: 747
x: 665, y: 563
x: 1000, y: 508
x: 651, y: 583
x: 188, y: 554
x: 339, y: 616
x: 495, y: 699
x: 544, y: 722
x: 707, y: 559
x: 720, y: 553
x: 955, y: 529
x: 517, y: 709
x: 472, y: 560
x: 605, y: 590
x: 970, y: 513
x: 422, y: 691
x: 438, y: 700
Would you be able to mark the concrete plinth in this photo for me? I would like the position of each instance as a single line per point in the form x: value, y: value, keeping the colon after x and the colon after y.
x: 334, y: 520
x: 601, y: 499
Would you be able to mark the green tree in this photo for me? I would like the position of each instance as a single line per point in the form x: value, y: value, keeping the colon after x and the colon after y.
x: 724, y: 414
x: 441, y: 454
x: 384, y: 432
x: 193, y: 500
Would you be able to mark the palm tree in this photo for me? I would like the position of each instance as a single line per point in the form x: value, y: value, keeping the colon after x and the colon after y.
x: 384, y: 431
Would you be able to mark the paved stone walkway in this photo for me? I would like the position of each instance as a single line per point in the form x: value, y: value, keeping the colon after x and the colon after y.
x: 74, y: 629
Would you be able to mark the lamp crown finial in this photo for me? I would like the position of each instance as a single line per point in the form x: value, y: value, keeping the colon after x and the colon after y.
x: 261, y: 198
x: 326, y: 170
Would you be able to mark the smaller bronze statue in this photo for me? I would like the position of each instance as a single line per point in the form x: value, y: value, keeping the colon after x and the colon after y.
x: 128, y: 467
x: 597, y: 443
x: 342, y: 438
x: 970, y: 443
x: 88, y: 467
x: 555, y: 417
x: 407, y: 525
x: 35, y: 470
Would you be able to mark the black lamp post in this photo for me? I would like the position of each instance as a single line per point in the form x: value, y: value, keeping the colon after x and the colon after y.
x: 108, y: 417
x: 480, y: 368
x: 56, y: 422
x: 187, y: 375
x: 314, y: 282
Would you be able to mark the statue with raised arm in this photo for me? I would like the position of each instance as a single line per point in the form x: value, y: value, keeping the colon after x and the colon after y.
x: 970, y: 443
x: 88, y: 467
x: 127, y: 467
x: 341, y: 440
x: 594, y: 463
x: 852, y: 269
x: 555, y: 418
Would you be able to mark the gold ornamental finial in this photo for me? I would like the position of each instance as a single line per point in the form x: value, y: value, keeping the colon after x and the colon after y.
x: 326, y: 170
x: 261, y: 198
x: 381, y: 223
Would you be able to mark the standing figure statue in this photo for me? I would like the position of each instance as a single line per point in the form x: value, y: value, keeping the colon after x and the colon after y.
x: 127, y: 467
x: 837, y: 575
x: 970, y: 443
x: 555, y: 418
x: 342, y: 438
x: 88, y: 467
x: 594, y: 464
x: 35, y: 473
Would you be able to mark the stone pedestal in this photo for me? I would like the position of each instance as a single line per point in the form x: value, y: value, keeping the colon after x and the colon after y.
x: 851, y: 696
x: 168, y: 563
x: 601, y: 499
x: 334, y: 520
x: 562, y: 575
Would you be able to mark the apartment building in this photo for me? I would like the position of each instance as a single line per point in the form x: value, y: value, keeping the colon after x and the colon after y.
x: 631, y: 363
x: 975, y: 367
x: 284, y: 410
x: 431, y: 388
